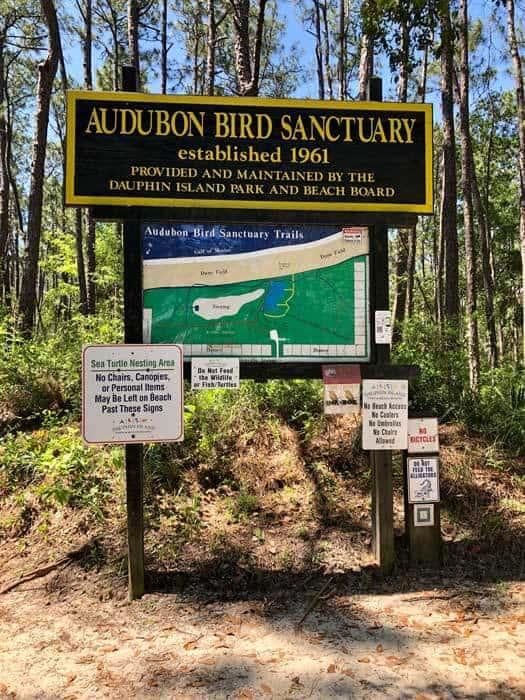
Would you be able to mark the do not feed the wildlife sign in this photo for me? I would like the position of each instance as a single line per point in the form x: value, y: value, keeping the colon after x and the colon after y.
x: 132, y: 394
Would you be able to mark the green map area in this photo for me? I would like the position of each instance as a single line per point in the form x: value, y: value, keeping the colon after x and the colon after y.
x: 314, y: 313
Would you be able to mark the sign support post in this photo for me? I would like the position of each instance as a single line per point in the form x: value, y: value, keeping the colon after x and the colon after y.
x: 133, y: 334
x: 381, y: 460
x: 425, y: 544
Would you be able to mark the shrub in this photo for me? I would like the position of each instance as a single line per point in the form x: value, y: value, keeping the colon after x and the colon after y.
x: 44, y: 372
x: 55, y: 467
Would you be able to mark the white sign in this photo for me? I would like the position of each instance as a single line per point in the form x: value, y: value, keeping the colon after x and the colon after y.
x: 146, y: 325
x: 423, y: 514
x: 215, y: 373
x: 423, y: 435
x: 423, y: 479
x: 342, y: 389
x: 385, y: 414
x: 383, y: 327
x: 132, y: 393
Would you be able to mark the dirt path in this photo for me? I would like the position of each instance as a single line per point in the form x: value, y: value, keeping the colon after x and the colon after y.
x: 58, y: 640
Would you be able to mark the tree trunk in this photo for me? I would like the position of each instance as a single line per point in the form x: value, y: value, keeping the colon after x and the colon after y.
x: 402, y: 87
x: 366, y: 50
x: 133, y: 37
x: 342, y: 51
x: 197, y: 36
x: 247, y: 63
x: 398, y: 311
x: 447, y: 224
x: 326, y: 51
x: 87, y: 292
x: 319, y: 49
x: 411, y: 271
x: 91, y: 262
x: 440, y: 257
x: 164, y: 44
x: 4, y: 174
x: 46, y: 75
x: 520, y: 99
x: 87, y: 45
x: 81, y: 273
x: 466, y: 184
x: 488, y: 279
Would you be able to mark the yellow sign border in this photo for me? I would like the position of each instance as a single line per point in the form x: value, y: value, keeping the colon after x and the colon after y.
x: 71, y: 199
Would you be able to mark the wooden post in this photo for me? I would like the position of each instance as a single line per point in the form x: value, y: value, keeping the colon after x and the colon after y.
x: 133, y: 334
x: 380, y: 460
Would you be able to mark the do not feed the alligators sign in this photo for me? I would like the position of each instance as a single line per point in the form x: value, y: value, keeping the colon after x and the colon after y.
x: 159, y: 150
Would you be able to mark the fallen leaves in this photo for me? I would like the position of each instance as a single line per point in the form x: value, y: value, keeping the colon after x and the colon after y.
x: 460, y: 656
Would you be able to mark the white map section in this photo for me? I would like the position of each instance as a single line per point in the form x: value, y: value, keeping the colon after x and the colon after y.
x: 211, y: 309
x: 260, y: 264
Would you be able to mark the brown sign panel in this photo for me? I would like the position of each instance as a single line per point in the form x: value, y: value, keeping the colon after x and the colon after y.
x: 163, y: 150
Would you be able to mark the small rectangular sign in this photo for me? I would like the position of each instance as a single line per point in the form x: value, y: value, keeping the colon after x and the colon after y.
x: 423, y: 479
x: 354, y: 234
x: 243, y: 152
x: 342, y: 387
x: 423, y: 435
x: 424, y: 514
x: 132, y: 394
x: 385, y: 414
x: 146, y: 325
x: 383, y: 327
x: 215, y: 373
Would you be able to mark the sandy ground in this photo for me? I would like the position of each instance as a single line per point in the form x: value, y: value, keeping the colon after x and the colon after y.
x: 66, y: 636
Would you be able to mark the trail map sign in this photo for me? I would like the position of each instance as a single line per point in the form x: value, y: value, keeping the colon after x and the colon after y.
x: 132, y: 393
x: 160, y: 150
x: 258, y: 292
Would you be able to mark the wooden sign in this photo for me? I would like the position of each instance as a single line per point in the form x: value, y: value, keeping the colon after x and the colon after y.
x: 187, y: 151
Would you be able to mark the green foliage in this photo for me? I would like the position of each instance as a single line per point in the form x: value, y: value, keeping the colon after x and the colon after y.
x: 54, y: 467
x: 502, y: 407
x: 44, y: 372
x: 179, y: 518
x: 497, y: 411
x: 296, y: 401
x: 442, y: 387
x: 241, y: 507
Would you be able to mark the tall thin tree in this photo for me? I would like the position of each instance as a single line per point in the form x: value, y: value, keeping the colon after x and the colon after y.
x: 520, y: 100
x: 466, y: 184
x: 46, y: 75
